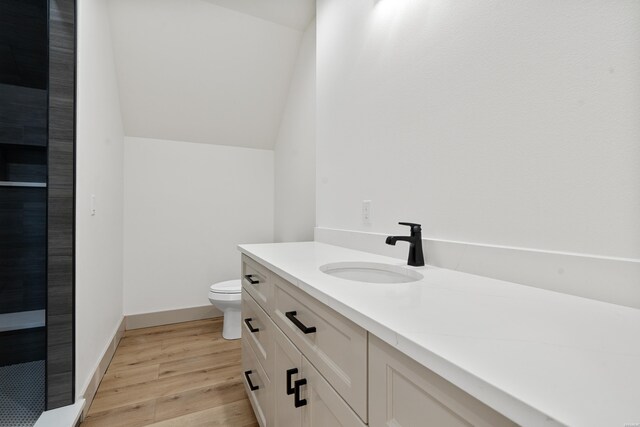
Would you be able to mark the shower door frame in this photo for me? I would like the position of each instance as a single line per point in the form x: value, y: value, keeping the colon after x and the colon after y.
x: 60, y: 314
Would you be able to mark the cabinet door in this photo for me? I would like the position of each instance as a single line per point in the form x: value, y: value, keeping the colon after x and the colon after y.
x: 258, y: 386
x: 403, y: 393
x: 287, y: 358
x: 324, y: 407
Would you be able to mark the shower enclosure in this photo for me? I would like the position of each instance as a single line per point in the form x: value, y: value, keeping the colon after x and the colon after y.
x: 37, y: 77
x: 23, y: 209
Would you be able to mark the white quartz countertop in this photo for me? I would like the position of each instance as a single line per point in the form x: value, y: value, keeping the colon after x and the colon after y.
x: 536, y: 356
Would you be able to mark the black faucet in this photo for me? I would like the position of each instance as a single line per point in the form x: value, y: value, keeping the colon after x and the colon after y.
x: 416, y: 258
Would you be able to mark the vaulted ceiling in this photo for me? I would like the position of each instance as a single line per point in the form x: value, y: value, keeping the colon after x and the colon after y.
x: 209, y: 71
x: 291, y: 13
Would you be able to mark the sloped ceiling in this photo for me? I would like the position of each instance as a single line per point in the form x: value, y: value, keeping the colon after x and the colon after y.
x: 291, y: 13
x: 208, y: 71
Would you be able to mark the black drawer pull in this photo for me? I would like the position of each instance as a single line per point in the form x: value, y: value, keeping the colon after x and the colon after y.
x: 247, y: 322
x: 290, y: 372
x: 249, y: 277
x: 297, y: 402
x: 251, y: 386
x: 291, y: 315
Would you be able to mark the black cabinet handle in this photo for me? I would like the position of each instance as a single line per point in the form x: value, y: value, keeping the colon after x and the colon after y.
x: 291, y: 315
x: 249, y: 277
x: 251, y: 386
x: 290, y: 372
x: 297, y: 402
x: 247, y: 322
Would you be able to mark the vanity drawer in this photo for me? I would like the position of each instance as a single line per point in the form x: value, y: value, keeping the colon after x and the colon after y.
x: 258, y: 386
x: 257, y: 331
x: 333, y: 344
x: 256, y: 280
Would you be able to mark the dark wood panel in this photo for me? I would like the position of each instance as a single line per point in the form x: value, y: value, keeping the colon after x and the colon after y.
x: 61, y: 200
x: 59, y: 388
x: 64, y: 323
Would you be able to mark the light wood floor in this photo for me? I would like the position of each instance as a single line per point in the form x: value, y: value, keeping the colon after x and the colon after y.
x: 177, y: 375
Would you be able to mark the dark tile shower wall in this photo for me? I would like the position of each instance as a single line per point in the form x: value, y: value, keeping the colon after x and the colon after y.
x: 23, y: 72
x: 23, y: 163
x: 24, y: 43
x: 23, y: 193
x: 37, y: 144
x: 31, y: 343
x: 23, y: 115
x: 23, y: 142
x: 22, y: 249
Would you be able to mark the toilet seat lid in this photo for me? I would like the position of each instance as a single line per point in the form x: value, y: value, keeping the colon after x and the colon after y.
x: 228, y: 287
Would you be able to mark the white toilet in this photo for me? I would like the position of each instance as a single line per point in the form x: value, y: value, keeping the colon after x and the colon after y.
x: 226, y: 297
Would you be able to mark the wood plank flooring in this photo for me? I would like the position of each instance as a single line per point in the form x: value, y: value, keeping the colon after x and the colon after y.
x: 182, y: 375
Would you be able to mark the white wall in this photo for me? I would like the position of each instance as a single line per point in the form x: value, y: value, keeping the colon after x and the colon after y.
x: 187, y: 207
x: 99, y: 171
x: 511, y: 123
x: 295, y: 196
x: 191, y: 70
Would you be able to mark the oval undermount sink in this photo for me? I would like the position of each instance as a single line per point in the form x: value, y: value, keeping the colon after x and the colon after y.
x: 371, y: 272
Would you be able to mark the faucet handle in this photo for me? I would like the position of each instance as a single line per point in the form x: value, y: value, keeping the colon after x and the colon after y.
x: 414, y: 227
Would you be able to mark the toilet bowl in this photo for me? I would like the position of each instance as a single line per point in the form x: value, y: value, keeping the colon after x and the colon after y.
x: 226, y: 297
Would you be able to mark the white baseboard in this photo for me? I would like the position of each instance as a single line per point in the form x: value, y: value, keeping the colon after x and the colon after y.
x: 159, y: 318
x: 608, y: 279
x: 91, y: 388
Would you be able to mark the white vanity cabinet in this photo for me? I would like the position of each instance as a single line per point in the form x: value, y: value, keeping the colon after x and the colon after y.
x: 324, y: 406
x: 308, y: 359
x: 289, y: 383
x: 257, y: 332
x: 258, y: 385
x: 307, y: 365
x: 302, y: 396
x: 258, y: 344
x: 334, y: 345
x: 403, y: 393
